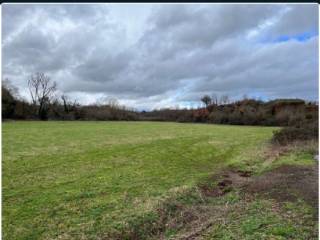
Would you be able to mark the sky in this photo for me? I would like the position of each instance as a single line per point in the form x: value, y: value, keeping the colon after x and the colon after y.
x: 151, y: 56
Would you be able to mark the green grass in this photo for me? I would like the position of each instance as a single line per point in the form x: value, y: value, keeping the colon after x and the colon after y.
x: 265, y: 219
x: 73, y: 180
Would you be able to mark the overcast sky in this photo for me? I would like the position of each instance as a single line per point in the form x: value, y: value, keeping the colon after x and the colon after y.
x: 160, y: 55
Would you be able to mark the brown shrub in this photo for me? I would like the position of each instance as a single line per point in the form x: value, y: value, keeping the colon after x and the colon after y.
x: 286, y: 135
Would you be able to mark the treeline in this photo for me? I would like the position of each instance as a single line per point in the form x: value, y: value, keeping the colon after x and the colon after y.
x: 19, y: 109
x: 281, y: 112
x: 46, y: 105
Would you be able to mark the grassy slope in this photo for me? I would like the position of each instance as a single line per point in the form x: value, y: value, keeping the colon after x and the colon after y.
x: 82, y: 179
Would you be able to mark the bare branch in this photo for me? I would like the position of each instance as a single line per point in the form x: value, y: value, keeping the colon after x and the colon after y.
x: 41, y: 89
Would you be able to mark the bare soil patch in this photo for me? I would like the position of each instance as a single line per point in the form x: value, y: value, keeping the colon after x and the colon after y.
x: 226, y: 181
x: 287, y: 183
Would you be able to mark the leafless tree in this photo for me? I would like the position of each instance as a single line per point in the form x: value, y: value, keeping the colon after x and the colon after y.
x: 68, y: 105
x: 112, y: 103
x: 224, y: 99
x: 65, y: 101
x: 206, y: 100
x: 214, y: 99
x: 41, y: 89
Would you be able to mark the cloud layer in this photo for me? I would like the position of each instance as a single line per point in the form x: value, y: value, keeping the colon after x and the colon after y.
x: 151, y: 56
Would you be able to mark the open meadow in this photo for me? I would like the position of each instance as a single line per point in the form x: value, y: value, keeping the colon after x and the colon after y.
x: 104, y: 180
x: 156, y: 121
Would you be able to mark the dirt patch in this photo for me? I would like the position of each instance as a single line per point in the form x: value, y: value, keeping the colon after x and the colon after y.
x: 206, y: 216
x: 244, y: 173
x: 287, y: 183
x: 213, y: 191
x: 225, y: 182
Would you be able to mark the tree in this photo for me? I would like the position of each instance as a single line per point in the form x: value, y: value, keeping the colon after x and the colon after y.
x: 65, y: 102
x: 41, y: 89
x: 112, y: 103
x: 214, y: 99
x: 206, y: 100
x: 68, y: 105
x: 224, y: 99
x: 8, y: 99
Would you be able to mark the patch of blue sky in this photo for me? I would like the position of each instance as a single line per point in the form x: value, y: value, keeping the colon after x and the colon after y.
x: 301, y: 37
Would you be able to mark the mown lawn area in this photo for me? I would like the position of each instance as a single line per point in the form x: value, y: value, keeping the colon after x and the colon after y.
x: 82, y: 180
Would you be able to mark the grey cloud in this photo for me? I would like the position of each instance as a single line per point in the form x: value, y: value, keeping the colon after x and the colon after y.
x: 202, y: 26
x: 272, y: 67
x: 298, y: 19
x: 36, y: 48
x: 184, y: 50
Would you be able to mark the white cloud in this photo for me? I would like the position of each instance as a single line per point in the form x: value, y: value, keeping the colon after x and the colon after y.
x: 151, y: 56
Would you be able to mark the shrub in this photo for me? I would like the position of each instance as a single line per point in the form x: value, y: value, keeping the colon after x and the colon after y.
x: 286, y: 135
x: 8, y: 103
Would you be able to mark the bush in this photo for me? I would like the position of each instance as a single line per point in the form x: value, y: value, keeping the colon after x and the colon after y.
x: 8, y: 103
x: 286, y: 135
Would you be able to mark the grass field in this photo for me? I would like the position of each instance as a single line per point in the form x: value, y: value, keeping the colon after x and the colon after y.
x: 82, y: 180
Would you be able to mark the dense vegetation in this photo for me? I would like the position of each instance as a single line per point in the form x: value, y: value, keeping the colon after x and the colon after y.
x: 281, y: 112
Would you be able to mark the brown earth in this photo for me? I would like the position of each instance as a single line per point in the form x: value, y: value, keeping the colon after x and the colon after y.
x: 288, y: 183
x: 285, y: 183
